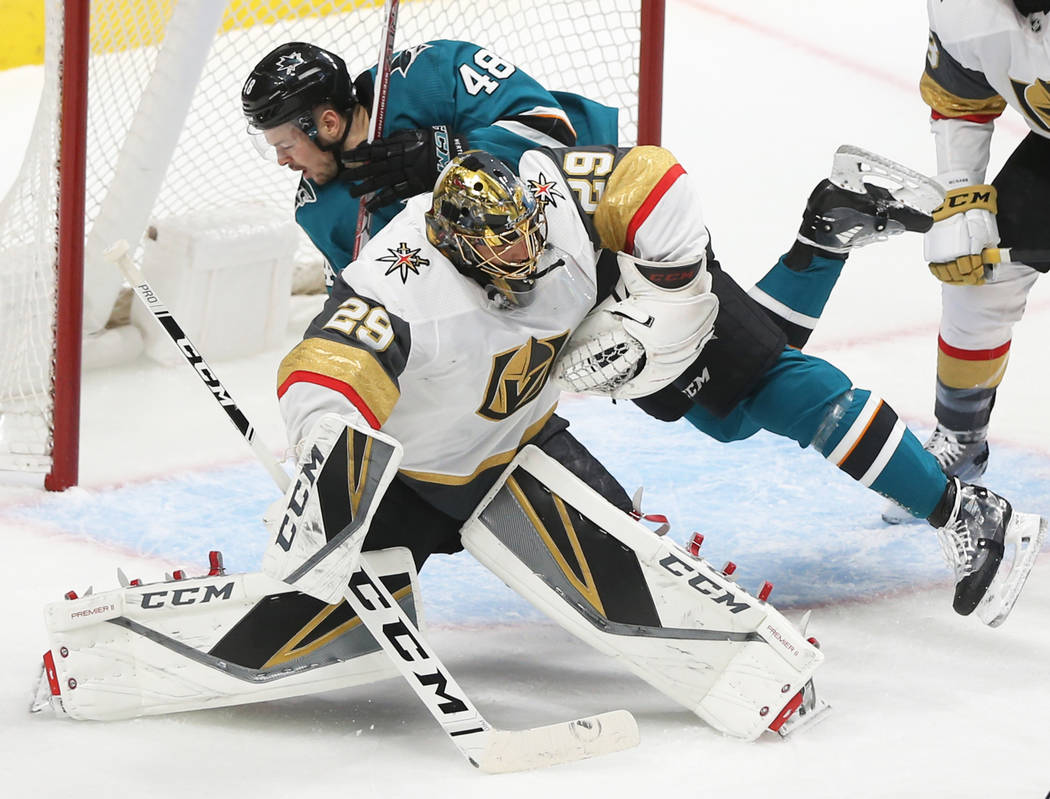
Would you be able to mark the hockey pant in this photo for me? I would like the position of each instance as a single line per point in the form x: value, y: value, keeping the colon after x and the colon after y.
x: 807, y: 399
x: 406, y: 519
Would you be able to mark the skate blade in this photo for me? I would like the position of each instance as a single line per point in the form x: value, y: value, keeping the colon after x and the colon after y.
x: 853, y: 165
x: 1027, y: 538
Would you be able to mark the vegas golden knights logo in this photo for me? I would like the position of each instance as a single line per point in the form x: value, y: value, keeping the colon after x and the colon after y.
x: 518, y: 375
x: 1034, y: 98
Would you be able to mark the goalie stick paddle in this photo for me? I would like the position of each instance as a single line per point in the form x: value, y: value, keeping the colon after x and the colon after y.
x: 491, y: 750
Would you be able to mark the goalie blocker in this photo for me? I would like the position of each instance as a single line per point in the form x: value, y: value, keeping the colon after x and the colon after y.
x: 674, y: 621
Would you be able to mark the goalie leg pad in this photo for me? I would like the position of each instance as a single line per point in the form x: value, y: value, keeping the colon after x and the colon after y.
x: 673, y: 620
x: 343, y: 473
x: 212, y: 642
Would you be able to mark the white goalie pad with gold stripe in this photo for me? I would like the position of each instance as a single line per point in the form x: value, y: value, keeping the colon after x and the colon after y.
x: 671, y: 618
x: 211, y: 641
x: 344, y: 468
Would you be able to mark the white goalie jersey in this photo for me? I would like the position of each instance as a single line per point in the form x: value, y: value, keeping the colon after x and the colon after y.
x: 424, y: 353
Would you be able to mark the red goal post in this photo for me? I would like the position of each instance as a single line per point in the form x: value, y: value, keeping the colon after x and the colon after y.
x: 139, y: 120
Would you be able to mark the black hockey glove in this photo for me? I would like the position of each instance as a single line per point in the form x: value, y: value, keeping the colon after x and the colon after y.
x: 401, y: 165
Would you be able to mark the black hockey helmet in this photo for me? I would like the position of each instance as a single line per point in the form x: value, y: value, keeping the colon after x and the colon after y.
x: 1027, y: 7
x: 290, y: 81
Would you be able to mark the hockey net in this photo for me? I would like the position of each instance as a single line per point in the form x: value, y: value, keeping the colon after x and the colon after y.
x: 165, y: 137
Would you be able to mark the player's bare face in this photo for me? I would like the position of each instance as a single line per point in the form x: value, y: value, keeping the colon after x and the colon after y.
x: 295, y: 150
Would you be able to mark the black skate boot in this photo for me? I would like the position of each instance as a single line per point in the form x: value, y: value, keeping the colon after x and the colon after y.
x: 976, y: 527
x: 963, y: 455
x: 838, y: 220
x: 868, y: 198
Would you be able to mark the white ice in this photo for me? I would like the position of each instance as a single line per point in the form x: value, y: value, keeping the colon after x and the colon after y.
x: 926, y: 704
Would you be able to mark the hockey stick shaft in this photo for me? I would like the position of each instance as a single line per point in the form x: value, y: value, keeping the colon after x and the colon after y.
x: 1002, y: 255
x: 490, y: 750
x: 119, y: 254
x: 378, y: 115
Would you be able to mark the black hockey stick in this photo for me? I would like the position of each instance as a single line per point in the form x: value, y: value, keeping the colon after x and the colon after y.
x: 489, y: 749
x: 378, y: 113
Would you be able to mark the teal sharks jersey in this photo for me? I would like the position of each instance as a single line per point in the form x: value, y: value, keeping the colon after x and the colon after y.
x: 474, y: 93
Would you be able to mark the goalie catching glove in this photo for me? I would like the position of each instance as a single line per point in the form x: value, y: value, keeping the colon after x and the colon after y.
x: 963, y: 226
x: 401, y: 165
x: 632, y: 347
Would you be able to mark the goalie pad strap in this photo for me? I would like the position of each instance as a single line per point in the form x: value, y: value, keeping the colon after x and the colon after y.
x: 669, y: 617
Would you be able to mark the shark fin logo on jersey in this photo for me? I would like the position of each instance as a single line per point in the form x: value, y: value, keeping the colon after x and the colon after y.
x: 545, y: 191
x: 403, y: 260
x: 403, y: 61
x: 289, y: 63
x: 1034, y: 99
x: 305, y: 194
x: 518, y: 376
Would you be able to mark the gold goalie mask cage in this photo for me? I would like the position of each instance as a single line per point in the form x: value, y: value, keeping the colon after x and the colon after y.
x: 487, y: 223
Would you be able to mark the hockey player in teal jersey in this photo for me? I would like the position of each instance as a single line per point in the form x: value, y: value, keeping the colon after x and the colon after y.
x: 445, y: 96
x: 747, y: 378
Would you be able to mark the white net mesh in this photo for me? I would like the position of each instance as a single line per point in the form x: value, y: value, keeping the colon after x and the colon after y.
x: 162, y: 143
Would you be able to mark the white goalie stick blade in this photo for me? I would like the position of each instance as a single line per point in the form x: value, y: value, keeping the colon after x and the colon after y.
x: 853, y: 166
x: 1026, y: 534
x: 492, y: 751
x: 564, y: 742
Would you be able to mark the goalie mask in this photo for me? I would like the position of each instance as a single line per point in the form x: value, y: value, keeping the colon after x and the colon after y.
x: 487, y: 223
x: 288, y: 84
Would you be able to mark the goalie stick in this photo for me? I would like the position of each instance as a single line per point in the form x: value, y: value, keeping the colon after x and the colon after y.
x: 489, y: 749
x: 378, y: 116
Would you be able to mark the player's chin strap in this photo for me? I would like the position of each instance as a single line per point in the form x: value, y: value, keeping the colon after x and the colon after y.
x: 640, y: 339
x: 662, y: 611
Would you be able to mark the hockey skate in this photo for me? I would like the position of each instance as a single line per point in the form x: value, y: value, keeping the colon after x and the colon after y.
x: 962, y: 455
x: 848, y: 211
x: 991, y: 549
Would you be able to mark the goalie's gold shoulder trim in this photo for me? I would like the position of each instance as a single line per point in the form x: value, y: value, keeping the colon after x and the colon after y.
x: 634, y: 186
x: 341, y: 367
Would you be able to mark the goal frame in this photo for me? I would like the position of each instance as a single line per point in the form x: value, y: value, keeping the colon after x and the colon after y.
x: 66, y: 370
